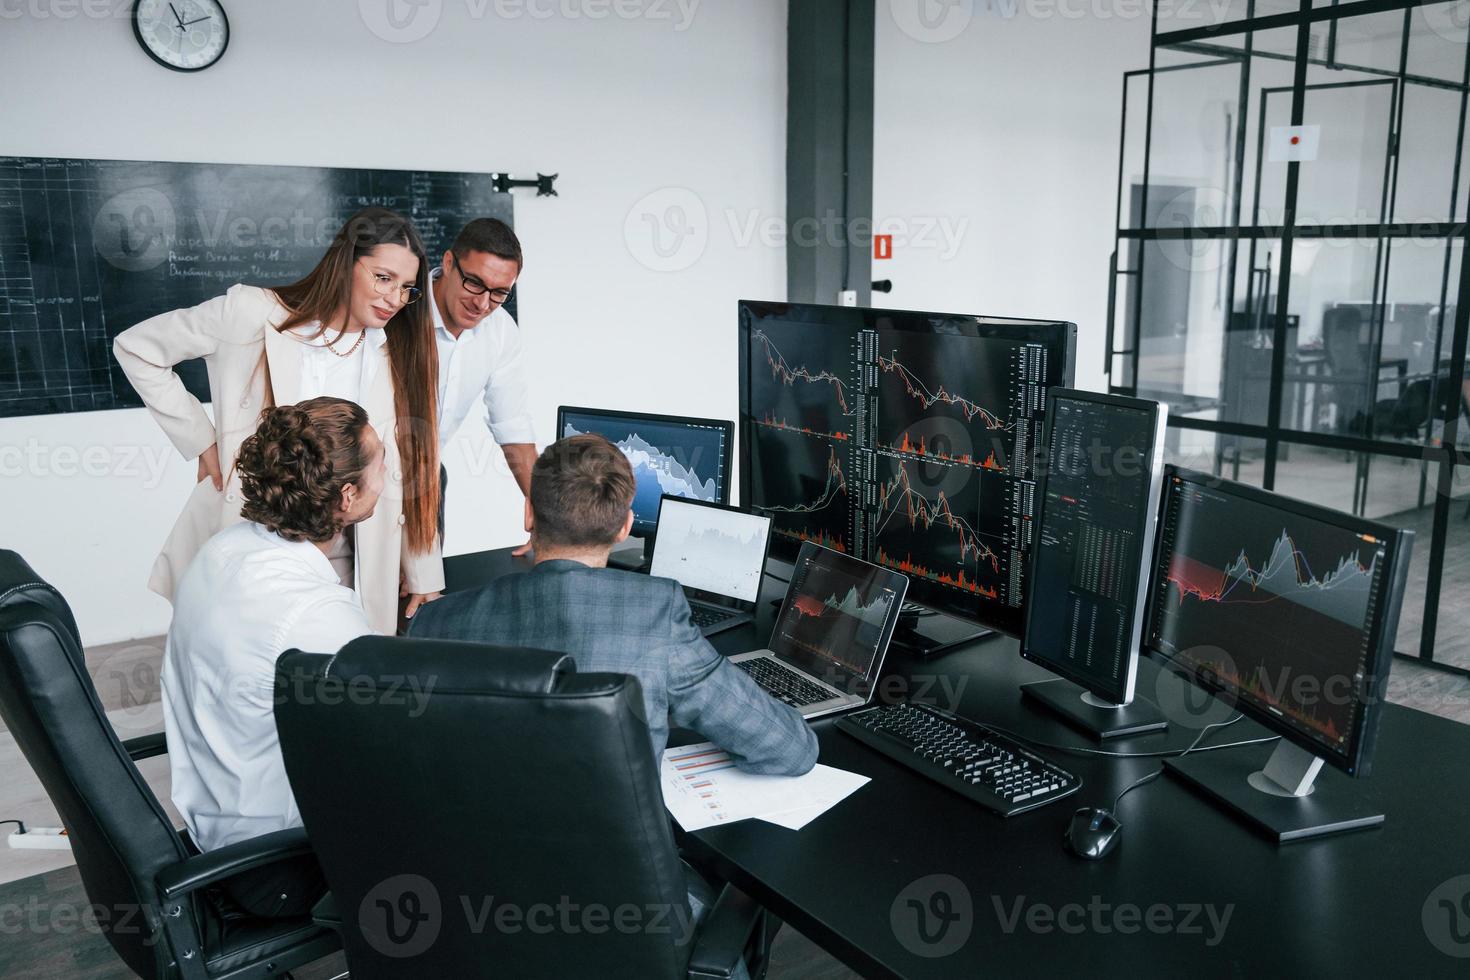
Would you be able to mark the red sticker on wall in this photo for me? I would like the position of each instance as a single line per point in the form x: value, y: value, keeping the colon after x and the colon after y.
x: 882, y: 246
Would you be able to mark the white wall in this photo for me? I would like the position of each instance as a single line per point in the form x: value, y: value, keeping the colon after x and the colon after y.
x: 667, y: 123
x: 996, y: 123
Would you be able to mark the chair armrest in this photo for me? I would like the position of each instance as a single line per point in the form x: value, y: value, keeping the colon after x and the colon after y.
x: 324, y: 913
x: 211, y: 868
x: 724, y: 934
x: 146, y: 746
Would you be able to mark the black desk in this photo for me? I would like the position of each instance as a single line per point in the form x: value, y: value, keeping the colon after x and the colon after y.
x: 1349, y: 906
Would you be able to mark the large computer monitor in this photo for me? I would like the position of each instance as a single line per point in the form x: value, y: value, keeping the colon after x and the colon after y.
x: 675, y: 455
x: 1097, y: 507
x: 1288, y: 611
x: 906, y: 439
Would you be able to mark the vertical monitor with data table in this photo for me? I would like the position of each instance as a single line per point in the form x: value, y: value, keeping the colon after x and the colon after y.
x: 675, y: 455
x: 906, y: 439
x: 1097, y: 508
x: 1287, y: 611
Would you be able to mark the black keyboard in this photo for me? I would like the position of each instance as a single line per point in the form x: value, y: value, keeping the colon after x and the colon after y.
x: 995, y: 771
x: 783, y: 683
x: 703, y: 616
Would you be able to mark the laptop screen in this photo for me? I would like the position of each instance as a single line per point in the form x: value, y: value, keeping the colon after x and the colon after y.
x: 838, y: 616
x: 711, y: 549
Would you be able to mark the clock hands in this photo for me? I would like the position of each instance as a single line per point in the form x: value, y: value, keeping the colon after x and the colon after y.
x: 177, y: 18
x: 195, y: 20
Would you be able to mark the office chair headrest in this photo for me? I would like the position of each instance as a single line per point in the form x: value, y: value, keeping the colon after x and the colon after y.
x: 456, y: 667
x: 19, y: 583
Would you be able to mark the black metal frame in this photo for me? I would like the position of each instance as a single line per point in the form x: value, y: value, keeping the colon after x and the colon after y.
x: 1445, y: 453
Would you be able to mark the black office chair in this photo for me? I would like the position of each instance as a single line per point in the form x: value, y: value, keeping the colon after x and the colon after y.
x: 514, y: 782
x: 1350, y: 387
x: 165, y: 920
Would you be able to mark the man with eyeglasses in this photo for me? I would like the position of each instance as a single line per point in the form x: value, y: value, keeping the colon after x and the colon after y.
x: 480, y: 346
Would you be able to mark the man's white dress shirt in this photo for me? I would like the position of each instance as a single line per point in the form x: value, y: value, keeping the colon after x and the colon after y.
x: 484, y: 362
x: 247, y: 597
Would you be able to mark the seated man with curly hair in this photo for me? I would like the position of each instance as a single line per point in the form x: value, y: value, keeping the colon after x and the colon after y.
x: 255, y: 590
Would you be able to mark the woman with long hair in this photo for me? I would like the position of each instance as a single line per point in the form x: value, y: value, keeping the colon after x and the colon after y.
x: 356, y: 327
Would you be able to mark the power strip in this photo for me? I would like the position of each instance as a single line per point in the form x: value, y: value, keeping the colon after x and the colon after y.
x: 41, y: 839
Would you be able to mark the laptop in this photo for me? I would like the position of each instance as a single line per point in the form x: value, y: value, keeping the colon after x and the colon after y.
x: 717, y: 554
x: 831, y: 635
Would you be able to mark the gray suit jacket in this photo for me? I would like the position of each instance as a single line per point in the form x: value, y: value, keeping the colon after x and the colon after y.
x: 611, y: 620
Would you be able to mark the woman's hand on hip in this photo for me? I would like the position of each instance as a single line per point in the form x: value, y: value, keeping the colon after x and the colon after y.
x: 209, y: 466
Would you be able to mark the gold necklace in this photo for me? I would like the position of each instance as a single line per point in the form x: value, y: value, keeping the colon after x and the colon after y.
x: 361, y: 335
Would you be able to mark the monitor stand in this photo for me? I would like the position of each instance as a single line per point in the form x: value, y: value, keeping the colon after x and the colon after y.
x: 1102, y: 719
x: 928, y: 633
x: 1283, y: 798
x: 632, y: 558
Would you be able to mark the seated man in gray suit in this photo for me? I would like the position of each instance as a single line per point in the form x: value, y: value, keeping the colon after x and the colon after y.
x: 609, y: 620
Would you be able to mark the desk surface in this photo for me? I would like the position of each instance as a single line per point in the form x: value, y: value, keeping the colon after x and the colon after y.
x: 1352, y: 905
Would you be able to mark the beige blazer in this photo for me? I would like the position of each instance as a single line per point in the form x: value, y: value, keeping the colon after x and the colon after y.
x: 229, y: 332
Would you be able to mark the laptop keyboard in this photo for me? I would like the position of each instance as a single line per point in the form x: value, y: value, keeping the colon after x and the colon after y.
x: 783, y: 683
x: 703, y: 616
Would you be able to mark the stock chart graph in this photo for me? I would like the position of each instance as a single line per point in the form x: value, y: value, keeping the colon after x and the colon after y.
x: 1267, y: 610
x: 836, y: 615
x: 802, y: 388
x: 928, y: 529
x: 904, y: 439
x: 667, y: 457
x: 809, y: 479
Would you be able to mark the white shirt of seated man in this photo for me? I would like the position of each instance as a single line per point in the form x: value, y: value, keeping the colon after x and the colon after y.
x: 247, y: 597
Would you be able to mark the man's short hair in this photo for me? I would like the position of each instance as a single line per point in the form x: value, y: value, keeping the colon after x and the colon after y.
x: 581, y: 490
x: 489, y: 235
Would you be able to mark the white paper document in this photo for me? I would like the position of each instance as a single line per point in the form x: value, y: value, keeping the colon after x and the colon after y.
x: 703, y: 788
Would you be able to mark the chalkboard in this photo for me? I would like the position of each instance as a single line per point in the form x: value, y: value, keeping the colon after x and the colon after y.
x: 90, y: 247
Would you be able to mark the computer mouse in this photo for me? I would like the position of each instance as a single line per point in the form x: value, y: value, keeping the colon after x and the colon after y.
x: 1093, y: 833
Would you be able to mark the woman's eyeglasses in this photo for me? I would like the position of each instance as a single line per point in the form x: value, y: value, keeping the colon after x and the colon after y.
x: 384, y: 286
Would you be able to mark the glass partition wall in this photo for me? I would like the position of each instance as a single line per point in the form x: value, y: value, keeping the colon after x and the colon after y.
x: 1289, y: 274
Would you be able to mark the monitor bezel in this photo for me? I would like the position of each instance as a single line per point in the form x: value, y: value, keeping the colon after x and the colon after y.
x: 704, y: 594
x: 1122, y: 692
x: 1357, y: 759
x: 648, y: 529
x: 914, y: 321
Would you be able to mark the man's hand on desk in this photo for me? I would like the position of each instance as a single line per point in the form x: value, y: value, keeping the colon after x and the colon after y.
x: 522, y: 551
